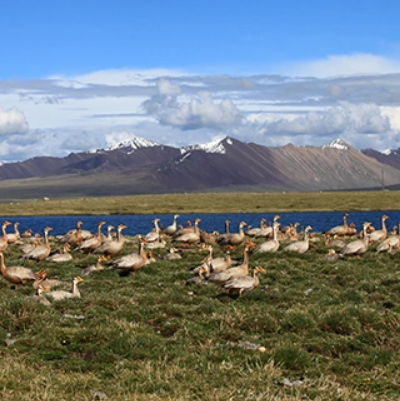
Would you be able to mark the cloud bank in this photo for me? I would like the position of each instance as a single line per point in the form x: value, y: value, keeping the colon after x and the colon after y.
x: 354, y: 97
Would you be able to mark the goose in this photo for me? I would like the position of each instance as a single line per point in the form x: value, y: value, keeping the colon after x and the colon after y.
x: 389, y: 244
x: 201, y: 278
x: 74, y: 237
x: 112, y: 247
x: 267, y: 231
x: 60, y: 295
x: 190, y: 237
x: 134, y: 261
x: 380, y: 235
x: 235, y: 239
x: 26, y: 248
x: 332, y: 256
x: 16, y: 274
x: 222, y: 237
x: 47, y: 283
x: 96, y: 267
x: 184, y: 230
x: 63, y: 256
x: 159, y: 243
x: 172, y: 255
x: 154, y: 234
x: 225, y: 275
x: 271, y: 245
x: 359, y: 246
x: 251, y: 232
x: 334, y: 242
x: 39, y: 296
x: 244, y: 282
x: 340, y: 230
x: 300, y: 246
x: 90, y: 244
x: 42, y: 251
x: 171, y: 229
x: 218, y: 264
x: 12, y: 238
x: 27, y: 233
x: 3, y: 238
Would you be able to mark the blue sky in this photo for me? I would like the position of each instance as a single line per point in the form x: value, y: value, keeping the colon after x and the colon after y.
x: 81, y: 75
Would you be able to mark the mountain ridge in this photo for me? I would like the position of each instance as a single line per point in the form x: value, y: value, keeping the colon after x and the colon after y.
x: 138, y: 165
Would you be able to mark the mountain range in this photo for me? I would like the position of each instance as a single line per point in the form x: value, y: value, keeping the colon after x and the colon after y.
x: 139, y: 166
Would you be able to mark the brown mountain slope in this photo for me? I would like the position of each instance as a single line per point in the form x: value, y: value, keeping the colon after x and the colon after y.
x: 228, y: 165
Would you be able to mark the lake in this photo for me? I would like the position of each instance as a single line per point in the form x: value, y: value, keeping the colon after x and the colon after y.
x: 142, y: 224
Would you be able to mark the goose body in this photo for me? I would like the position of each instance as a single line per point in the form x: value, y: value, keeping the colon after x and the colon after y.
x: 300, y: 246
x: 17, y: 275
x: 112, y: 247
x: 244, y: 282
x: 271, y: 245
x: 42, y: 251
x: 62, y: 294
x: 359, y: 246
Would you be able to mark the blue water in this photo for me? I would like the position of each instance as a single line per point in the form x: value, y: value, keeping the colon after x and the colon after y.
x: 142, y: 224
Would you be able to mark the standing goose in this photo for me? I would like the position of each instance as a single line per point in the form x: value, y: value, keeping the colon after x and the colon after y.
x: 225, y: 275
x: 244, y: 282
x: 380, y: 235
x: 134, y: 261
x: 222, y: 237
x: 42, y: 251
x: 112, y: 247
x: 3, y: 238
x: 271, y: 245
x: 154, y: 234
x: 90, y: 244
x: 300, y: 246
x: 16, y: 274
x: 74, y: 237
x: 359, y: 246
x: 171, y: 229
x: 15, y: 236
x: 235, y: 239
x: 218, y: 264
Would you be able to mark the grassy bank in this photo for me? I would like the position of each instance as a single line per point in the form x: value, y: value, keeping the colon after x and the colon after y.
x: 208, y: 203
x: 330, y: 331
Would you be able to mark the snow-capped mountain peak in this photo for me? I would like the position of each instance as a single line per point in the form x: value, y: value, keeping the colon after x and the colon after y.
x: 129, y: 145
x: 336, y: 144
x: 215, y: 146
x: 133, y: 143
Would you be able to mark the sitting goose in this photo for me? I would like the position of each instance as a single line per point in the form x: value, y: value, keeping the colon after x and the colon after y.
x: 300, y: 246
x: 60, y: 295
x: 359, y: 246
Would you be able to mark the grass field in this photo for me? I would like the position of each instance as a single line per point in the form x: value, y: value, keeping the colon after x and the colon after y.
x: 313, y: 329
x: 207, y: 203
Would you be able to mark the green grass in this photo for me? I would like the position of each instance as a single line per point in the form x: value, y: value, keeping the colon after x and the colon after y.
x: 335, y: 325
x: 207, y: 203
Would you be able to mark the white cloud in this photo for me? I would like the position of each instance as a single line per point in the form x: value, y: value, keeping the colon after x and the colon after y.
x: 196, y: 113
x: 343, y: 65
x: 13, y: 122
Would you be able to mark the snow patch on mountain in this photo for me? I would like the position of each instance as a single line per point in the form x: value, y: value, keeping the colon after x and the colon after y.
x: 130, y: 145
x: 215, y: 146
x: 336, y: 144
